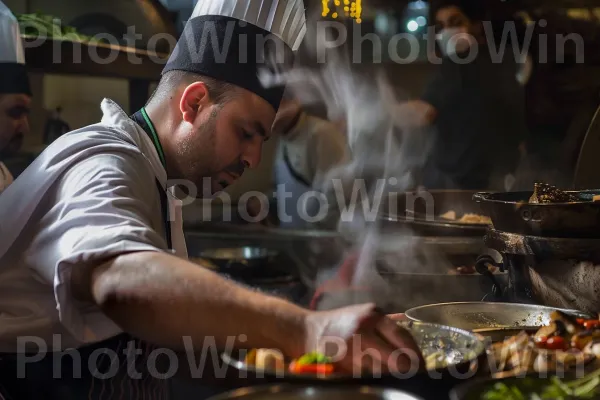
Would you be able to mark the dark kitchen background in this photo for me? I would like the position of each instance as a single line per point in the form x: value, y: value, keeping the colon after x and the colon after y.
x: 562, y: 99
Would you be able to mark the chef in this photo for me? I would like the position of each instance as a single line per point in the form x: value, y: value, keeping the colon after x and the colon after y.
x: 92, y: 255
x: 309, y: 147
x: 15, y: 92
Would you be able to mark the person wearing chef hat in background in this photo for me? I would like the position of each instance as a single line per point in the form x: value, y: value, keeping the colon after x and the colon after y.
x: 309, y: 147
x: 15, y: 92
x: 92, y: 249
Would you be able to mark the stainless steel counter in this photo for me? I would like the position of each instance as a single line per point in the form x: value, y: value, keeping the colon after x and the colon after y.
x: 308, y: 252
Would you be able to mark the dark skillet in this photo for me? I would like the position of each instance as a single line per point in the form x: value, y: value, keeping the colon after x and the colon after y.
x: 511, y: 212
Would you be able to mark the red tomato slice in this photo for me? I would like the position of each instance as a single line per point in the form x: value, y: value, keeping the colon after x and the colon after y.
x: 556, y: 343
x: 591, y: 324
x: 540, y: 342
x: 319, y: 369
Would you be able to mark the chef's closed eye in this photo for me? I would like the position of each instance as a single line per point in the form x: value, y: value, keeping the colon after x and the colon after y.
x: 255, y: 130
x: 247, y: 135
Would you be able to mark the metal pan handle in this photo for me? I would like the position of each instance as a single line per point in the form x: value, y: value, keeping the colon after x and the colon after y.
x: 481, y: 197
x: 481, y: 266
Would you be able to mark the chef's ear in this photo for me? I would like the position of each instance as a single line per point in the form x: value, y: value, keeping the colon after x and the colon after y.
x: 194, y: 98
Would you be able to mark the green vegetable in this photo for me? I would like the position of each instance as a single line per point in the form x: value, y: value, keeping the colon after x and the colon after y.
x: 47, y: 26
x: 587, y: 388
x: 517, y: 393
x: 314, y: 358
x: 554, y: 389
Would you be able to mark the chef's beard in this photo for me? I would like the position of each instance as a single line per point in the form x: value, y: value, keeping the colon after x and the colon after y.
x: 200, y: 161
x: 196, y: 152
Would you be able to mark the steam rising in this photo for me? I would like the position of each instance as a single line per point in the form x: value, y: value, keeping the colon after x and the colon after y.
x: 386, y: 157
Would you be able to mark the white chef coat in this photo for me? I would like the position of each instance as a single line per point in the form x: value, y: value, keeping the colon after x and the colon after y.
x: 6, y: 177
x: 314, y: 146
x: 91, y: 195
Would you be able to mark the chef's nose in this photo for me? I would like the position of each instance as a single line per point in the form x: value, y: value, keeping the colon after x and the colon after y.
x: 252, y: 156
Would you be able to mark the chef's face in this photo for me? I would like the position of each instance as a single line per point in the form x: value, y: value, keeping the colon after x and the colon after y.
x: 222, y: 140
x: 14, y: 124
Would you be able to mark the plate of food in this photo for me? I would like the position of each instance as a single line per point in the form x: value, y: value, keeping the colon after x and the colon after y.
x: 557, y: 361
x: 442, y: 347
x: 567, y: 343
x: 466, y: 218
x: 437, y: 213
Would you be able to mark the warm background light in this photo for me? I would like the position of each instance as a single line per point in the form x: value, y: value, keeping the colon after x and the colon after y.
x: 350, y: 8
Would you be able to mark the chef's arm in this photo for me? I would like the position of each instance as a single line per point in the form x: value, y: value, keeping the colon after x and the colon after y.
x: 161, y: 299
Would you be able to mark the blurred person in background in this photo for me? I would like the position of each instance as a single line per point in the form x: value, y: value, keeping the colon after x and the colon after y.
x: 309, y: 148
x: 474, y: 101
x: 15, y: 93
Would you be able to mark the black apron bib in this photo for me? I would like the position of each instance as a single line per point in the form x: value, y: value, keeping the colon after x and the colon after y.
x: 122, y: 367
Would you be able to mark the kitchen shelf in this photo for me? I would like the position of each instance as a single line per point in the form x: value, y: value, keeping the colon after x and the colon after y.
x: 67, y: 57
x: 139, y: 67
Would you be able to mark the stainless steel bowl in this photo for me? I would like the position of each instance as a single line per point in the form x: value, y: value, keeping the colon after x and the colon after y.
x: 287, y: 392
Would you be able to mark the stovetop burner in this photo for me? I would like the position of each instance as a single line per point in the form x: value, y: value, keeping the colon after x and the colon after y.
x: 547, y: 271
x: 543, y: 248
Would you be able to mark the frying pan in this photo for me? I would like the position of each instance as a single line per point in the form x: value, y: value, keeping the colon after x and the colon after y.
x: 494, y: 320
x: 511, y: 212
x: 421, y: 212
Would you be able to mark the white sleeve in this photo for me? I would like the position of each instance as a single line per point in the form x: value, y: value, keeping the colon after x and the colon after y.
x: 105, y: 206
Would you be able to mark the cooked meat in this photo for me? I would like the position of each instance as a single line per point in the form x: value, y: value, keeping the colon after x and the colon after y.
x: 544, y: 194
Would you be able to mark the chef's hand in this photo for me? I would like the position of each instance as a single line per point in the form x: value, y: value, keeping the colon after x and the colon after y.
x: 360, y: 339
x: 415, y: 114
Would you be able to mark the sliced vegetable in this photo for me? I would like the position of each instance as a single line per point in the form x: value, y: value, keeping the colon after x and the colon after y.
x: 251, y: 357
x: 556, y: 343
x: 317, y: 369
x: 591, y: 324
x: 313, y: 358
x: 569, y: 322
x: 553, y: 389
